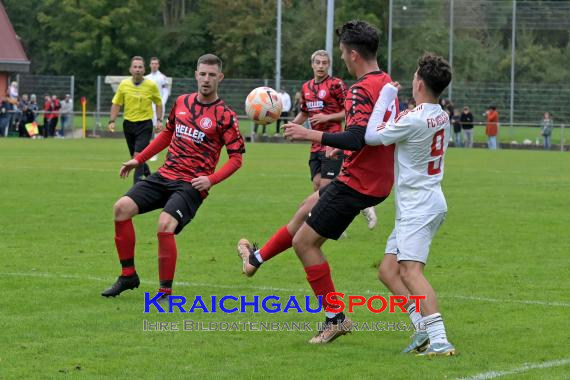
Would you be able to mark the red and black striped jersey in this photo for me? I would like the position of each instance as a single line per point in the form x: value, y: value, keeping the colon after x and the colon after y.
x: 199, y: 131
x: 369, y: 170
x: 326, y: 96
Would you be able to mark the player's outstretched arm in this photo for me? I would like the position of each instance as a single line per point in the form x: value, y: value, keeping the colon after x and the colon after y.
x: 376, y: 123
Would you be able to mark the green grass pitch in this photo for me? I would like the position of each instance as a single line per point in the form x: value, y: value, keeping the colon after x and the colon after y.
x: 500, y: 265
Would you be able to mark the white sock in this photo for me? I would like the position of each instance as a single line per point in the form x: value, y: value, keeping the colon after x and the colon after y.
x: 329, y: 314
x: 415, y: 317
x: 435, y: 328
x: 258, y: 256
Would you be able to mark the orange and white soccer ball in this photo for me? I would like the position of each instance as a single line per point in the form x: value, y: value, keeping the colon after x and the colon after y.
x: 263, y: 105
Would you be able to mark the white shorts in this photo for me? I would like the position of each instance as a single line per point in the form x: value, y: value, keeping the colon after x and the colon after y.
x: 411, y: 238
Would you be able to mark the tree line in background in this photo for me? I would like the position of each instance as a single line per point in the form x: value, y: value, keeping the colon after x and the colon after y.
x: 98, y: 37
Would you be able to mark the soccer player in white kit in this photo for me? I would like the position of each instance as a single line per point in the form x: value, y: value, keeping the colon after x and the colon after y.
x: 162, y: 83
x: 421, y: 136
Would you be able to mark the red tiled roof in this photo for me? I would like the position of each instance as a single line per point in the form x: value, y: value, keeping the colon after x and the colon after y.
x: 12, y: 54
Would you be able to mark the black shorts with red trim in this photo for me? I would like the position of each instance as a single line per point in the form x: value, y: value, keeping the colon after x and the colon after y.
x: 176, y: 198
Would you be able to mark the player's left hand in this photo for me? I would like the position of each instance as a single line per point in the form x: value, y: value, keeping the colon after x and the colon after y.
x: 318, y: 118
x: 158, y: 127
x: 294, y: 132
x: 201, y: 183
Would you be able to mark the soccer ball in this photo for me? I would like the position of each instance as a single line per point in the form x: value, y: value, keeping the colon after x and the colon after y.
x: 263, y: 105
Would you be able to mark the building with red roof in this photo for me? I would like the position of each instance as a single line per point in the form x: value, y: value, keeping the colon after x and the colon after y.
x: 12, y: 55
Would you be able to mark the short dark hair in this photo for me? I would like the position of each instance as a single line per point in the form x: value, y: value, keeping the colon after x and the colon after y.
x: 210, y: 59
x: 137, y: 58
x: 360, y: 36
x: 435, y: 71
x: 154, y: 59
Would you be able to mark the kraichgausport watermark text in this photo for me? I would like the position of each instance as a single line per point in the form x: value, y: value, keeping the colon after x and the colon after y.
x: 191, y: 325
x: 274, y: 304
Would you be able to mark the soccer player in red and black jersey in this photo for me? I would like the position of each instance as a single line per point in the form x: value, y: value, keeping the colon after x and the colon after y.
x: 199, y: 125
x: 322, y: 102
x: 367, y: 173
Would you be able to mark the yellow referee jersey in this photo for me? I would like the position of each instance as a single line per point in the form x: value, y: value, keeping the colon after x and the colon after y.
x: 137, y: 99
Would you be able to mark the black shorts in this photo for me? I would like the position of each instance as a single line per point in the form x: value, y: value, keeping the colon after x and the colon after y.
x: 176, y: 198
x: 137, y: 134
x: 337, y: 207
x: 327, y: 167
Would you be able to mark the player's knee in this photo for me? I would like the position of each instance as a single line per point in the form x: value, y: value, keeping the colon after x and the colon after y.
x: 299, y: 243
x: 386, y: 274
x: 166, y: 223
x: 409, y: 274
x: 124, y: 209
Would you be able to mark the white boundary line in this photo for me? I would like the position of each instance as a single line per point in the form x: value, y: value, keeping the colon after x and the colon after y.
x: 277, y: 289
x: 524, y: 368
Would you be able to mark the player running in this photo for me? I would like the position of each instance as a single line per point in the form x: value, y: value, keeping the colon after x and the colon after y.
x: 421, y: 136
x: 198, y: 126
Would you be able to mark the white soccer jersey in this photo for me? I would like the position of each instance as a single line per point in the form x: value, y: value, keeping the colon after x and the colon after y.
x: 421, y: 136
x: 162, y: 83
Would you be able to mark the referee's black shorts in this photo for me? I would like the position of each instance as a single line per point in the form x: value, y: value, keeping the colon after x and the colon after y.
x: 137, y: 134
x: 337, y: 207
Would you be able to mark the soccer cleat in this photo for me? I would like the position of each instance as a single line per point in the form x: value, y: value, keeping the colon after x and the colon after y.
x: 331, y: 331
x: 438, y: 349
x: 420, y: 341
x: 245, y: 250
x: 163, y: 299
x: 123, y: 283
x: 370, y: 215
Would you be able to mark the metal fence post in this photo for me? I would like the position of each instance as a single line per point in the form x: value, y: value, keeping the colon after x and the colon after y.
x: 562, y: 140
x: 98, y: 107
x: 72, y: 95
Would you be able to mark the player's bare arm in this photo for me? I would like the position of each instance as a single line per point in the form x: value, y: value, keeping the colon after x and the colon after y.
x: 296, y: 132
x: 115, y: 108
x: 158, y: 127
x: 323, y: 118
x: 300, y: 118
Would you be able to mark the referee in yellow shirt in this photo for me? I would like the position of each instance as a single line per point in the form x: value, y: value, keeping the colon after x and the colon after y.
x: 136, y: 95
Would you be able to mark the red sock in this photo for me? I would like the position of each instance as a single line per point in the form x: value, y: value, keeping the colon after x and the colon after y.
x: 166, y: 259
x: 279, y: 242
x: 125, y: 243
x: 319, y: 276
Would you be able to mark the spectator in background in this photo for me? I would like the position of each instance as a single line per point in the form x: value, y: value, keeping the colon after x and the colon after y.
x: 47, y: 116
x: 286, y: 101
x: 56, y: 106
x: 28, y: 116
x: 5, y: 106
x: 403, y: 105
x: 456, y: 122
x: 34, y: 105
x: 12, y: 110
x: 492, y: 129
x: 546, y: 130
x: 466, y: 120
x: 297, y: 103
x: 66, y: 114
